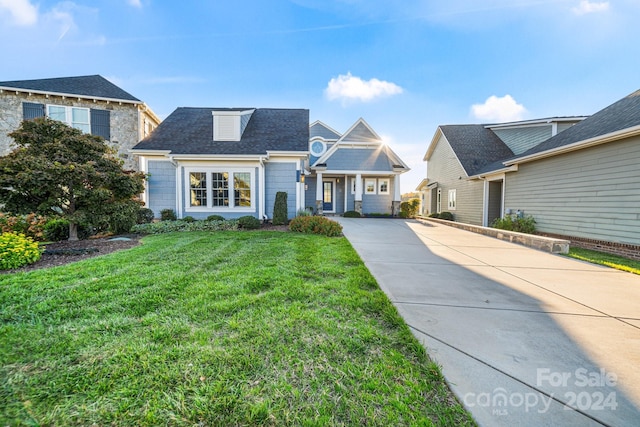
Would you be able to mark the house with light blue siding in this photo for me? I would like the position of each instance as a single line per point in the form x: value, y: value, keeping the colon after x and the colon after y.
x: 354, y: 171
x: 233, y: 161
x: 577, y: 176
x: 226, y: 161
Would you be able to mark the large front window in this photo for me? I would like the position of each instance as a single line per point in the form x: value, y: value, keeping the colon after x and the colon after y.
x: 242, y: 189
x: 220, y: 189
x: 198, y: 182
x: 76, y: 117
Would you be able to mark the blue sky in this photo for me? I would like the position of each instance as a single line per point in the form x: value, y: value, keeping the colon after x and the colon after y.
x: 405, y: 66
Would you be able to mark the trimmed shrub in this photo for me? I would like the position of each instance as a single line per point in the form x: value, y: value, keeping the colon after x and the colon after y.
x: 122, y: 216
x: 352, y: 214
x: 173, y: 226
x: 57, y: 229
x: 17, y: 250
x: 145, y: 216
x: 280, y: 214
x: 188, y: 218
x: 303, y: 212
x: 522, y: 225
x: 249, y: 222
x: 168, y: 215
x: 446, y: 215
x: 409, y: 209
x: 434, y: 215
x: 215, y: 218
x: 30, y: 225
x: 316, y: 225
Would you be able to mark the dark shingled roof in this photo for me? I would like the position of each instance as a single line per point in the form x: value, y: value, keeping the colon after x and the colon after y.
x: 475, y: 146
x: 622, y: 114
x: 89, y: 86
x: 190, y: 131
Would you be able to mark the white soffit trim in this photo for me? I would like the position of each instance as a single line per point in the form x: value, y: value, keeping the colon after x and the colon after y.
x: 432, y: 145
x: 70, y: 95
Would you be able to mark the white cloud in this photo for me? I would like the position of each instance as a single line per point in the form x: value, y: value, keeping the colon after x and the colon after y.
x: 348, y: 87
x: 23, y: 13
x: 504, y: 109
x: 586, y: 6
x: 135, y: 3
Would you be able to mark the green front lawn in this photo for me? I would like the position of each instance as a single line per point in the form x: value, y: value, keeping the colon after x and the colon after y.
x: 225, y: 328
x: 610, y: 260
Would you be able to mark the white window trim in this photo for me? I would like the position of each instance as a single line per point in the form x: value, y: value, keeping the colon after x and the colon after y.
x: 353, y: 185
x: 380, y: 181
x: 210, y: 208
x: 451, y: 200
x: 68, y: 113
x: 368, y: 180
x: 317, y: 153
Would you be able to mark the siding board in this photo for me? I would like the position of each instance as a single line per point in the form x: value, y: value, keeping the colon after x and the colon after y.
x: 592, y: 193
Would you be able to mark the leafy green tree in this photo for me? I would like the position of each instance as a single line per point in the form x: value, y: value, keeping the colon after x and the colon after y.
x: 58, y: 170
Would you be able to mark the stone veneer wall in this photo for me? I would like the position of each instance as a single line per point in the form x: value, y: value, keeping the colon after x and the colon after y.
x: 126, y: 124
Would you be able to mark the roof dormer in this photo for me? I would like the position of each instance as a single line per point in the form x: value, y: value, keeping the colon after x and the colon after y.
x: 228, y: 125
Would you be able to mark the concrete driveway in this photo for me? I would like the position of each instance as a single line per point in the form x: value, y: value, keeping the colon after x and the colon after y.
x: 524, y: 338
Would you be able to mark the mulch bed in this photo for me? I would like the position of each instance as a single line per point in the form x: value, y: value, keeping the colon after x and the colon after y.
x: 65, y: 252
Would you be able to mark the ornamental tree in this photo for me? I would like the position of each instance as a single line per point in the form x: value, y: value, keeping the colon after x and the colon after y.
x: 58, y: 170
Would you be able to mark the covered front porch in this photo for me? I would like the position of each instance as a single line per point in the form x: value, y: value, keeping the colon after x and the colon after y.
x: 333, y: 193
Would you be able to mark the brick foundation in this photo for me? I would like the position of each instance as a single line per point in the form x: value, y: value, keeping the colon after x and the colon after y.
x: 622, y: 249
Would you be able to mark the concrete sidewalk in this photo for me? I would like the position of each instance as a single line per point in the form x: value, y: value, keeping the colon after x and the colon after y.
x: 524, y: 338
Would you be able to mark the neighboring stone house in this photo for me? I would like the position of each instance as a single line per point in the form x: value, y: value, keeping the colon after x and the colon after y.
x: 90, y: 103
x: 354, y: 171
x: 233, y: 161
x: 579, y: 180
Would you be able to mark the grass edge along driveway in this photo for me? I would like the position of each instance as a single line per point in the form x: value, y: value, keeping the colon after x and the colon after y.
x: 225, y: 328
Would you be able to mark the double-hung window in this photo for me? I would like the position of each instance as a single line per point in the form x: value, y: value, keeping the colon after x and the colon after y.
x: 220, y: 190
x: 76, y: 117
x: 383, y: 186
x: 370, y: 186
x: 452, y: 200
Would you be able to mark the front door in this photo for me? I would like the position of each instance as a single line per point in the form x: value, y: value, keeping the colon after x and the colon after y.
x: 327, y: 196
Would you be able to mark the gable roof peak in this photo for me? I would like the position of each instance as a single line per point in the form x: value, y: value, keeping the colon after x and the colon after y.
x: 360, y: 131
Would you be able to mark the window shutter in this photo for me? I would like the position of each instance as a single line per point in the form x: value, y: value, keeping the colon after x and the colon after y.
x: 31, y: 110
x: 101, y: 123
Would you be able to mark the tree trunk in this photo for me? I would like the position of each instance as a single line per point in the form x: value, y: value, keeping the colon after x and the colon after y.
x: 73, y: 231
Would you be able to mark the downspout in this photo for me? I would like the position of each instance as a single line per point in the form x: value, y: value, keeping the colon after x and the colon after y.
x: 178, y: 187
x: 261, y: 192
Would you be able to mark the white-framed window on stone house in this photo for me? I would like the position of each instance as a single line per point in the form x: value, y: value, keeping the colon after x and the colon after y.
x: 383, y: 185
x: 77, y: 117
x: 220, y: 190
x: 370, y: 186
x: 451, y: 205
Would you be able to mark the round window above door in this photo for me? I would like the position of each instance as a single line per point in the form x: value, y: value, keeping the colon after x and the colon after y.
x: 317, y: 147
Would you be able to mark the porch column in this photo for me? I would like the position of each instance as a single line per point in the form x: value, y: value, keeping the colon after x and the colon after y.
x: 319, y: 197
x: 397, y: 196
x: 358, y: 195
